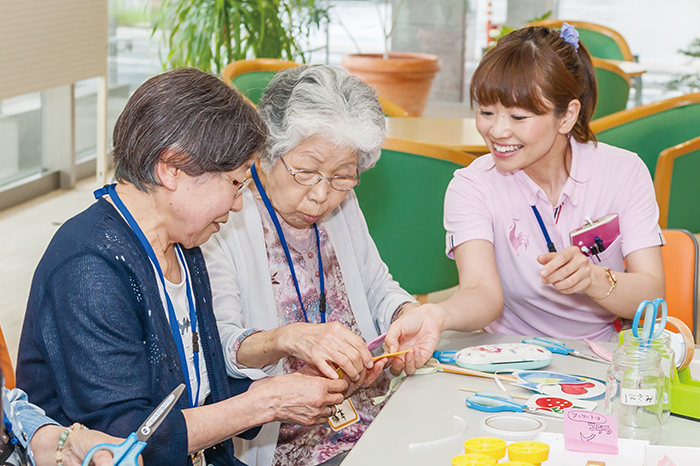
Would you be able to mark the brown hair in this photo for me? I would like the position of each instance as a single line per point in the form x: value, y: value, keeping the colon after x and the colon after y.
x: 535, y: 69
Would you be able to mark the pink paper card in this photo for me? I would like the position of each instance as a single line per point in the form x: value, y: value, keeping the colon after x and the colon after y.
x: 590, y: 432
x: 666, y: 461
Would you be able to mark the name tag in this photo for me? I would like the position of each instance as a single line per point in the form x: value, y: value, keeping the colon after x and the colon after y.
x: 345, y: 415
x: 198, y: 459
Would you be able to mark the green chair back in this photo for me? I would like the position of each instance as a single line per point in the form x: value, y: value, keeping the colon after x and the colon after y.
x: 402, y: 199
x: 684, y: 199
x: 613, y: 93
x: 648, y: 136
x: 599, y: 45
x: 253, y: 84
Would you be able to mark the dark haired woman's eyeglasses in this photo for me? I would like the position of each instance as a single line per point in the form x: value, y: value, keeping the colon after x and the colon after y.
x: 240, y: 186
x: 312, y: 178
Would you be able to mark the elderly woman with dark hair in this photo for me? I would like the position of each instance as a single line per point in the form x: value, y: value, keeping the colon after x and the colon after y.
x: 120, y: 307
x: 296, y: 276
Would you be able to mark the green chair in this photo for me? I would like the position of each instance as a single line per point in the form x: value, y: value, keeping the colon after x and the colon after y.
x: 600, y: 41
x: 677, y: 186
x: 252, y: 77
x: 650, y: 129
x: 613, y: 88
x: 402, y: 199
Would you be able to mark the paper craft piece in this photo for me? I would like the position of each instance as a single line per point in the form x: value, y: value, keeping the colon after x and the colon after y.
x: 557, y: 404
x: 590, y: 432
x: 631, y: 453
x: 561, y: 385
x: 666, y: 461
x: 681, y: 456
x: 503, y: 357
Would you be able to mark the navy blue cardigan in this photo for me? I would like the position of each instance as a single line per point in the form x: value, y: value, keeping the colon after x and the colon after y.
x: 96, y: 346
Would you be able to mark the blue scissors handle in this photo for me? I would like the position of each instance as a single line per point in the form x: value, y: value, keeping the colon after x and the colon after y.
x: 650, y: 310
x: 125, y: 454
x: 555, y: 346
x: 494, y: 402
x: 445, y: 357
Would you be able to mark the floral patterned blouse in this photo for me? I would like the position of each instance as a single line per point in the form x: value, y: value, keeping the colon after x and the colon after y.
x: 300, y: 445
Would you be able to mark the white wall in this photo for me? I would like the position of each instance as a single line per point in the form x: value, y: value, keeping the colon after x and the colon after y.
x: 50, y: 43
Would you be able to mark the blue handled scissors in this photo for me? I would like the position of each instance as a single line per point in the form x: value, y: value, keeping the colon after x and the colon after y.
x: 650, y: 310
x: 445, y: 357
x: 127, y: 453
x: 497, y: 402
x: 558, y: 347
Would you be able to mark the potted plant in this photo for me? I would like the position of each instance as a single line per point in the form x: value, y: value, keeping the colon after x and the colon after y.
x: 689, y: 82
x: 209, y: 34
x: 404, y: 78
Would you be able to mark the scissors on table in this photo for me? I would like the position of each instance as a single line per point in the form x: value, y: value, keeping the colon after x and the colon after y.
x: 127, y: 453
x: 650, y: 310
x: 445, y: 357
x: 558, y: 347
x: 497, y: 402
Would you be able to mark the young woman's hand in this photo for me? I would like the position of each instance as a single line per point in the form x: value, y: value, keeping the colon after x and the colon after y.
x: 568, y: 271
x: 419, y: 329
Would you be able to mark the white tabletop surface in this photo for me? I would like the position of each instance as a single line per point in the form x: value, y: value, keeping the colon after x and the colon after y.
x: 424, y: 407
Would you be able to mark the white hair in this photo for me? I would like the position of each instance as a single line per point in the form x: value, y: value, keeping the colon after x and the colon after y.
x: 324, y: 101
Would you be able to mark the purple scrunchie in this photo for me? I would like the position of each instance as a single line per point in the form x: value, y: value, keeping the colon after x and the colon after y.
x: 569, y: 34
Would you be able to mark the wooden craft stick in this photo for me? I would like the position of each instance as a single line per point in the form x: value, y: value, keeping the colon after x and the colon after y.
x: 522, y: 397
x: 390, y: 355
x: 340, y: 372
x: 463, y: 371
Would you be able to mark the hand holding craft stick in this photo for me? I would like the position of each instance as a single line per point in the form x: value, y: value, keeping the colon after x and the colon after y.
x: 340, y: 372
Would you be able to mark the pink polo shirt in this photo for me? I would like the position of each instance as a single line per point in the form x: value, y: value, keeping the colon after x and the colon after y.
x: 483, y: 203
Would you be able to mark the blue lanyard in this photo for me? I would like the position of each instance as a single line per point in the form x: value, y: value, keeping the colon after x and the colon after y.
x: 280, y: 233
x: 550, y: 244
x: 174, y: 325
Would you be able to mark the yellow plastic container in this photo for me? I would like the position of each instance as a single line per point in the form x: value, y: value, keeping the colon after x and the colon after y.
x: 515, y: 463
x: 490, y: 446
x: 473, y: 459
x: 528, y: 452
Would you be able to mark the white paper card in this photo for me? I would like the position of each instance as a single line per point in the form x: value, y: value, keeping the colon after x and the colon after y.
x: 638, y: 396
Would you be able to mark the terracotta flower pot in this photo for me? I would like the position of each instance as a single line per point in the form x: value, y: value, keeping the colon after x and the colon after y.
x: 404, y: 79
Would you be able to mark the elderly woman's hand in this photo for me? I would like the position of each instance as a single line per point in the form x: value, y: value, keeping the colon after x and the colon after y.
x: 301, y: 398
x: 76, y: 447
x: 319, y: 344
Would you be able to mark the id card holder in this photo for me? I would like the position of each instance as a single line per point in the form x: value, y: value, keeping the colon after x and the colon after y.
x: 345, y: 415
x: 595, y: 237
x: 198, y: 459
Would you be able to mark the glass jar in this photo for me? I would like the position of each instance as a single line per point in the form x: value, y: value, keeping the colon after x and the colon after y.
x: 634, y: 392
x: 668, y: 361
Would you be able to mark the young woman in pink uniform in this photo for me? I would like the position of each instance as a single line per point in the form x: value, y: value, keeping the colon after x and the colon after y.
x: 509, y: 215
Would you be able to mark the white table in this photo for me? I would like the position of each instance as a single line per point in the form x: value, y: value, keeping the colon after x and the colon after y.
x: 424, y: 407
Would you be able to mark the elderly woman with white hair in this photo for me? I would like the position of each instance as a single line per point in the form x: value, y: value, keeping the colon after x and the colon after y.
x: 296, y: 276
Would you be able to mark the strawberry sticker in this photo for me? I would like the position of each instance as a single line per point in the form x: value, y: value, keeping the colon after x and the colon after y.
x: 553, y: 404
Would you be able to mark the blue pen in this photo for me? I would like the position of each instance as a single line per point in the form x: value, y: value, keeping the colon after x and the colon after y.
x: 599, y: 243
